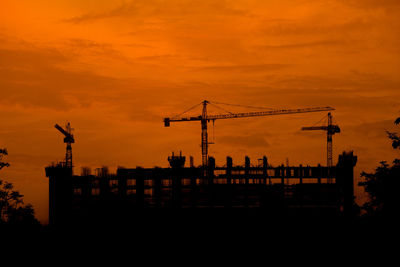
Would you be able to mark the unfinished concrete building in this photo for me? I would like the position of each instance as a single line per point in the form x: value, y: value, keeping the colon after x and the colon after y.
x: 259, y: 189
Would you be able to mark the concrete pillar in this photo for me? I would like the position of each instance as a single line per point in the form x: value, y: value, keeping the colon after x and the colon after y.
x: 247, y: 169
x: 193, y: 190
x: 265, y: 169
x: 229, y: 165
x: 157, y: 196
x: 210, y: 176
x: 319, y: 173
x: 176, y: 188
x: 139, y: 187
x: 345, y: 181
x: 301, y: 174
x: 229, y: 187
x: 247, y: 177
x: 122, y: 186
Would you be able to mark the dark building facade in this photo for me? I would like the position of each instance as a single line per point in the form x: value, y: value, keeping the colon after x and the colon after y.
x: 261, y: 190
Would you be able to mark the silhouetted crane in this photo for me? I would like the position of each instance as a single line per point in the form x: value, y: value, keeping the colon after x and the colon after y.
x: 204, y: 118
x: 330, y: 130
x: 68, y: 139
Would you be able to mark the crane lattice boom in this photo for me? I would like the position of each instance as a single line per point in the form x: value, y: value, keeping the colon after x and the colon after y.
x: 315, y: 128
x: 247, y: 114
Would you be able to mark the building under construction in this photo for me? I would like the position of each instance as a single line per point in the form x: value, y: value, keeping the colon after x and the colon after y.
x: 207, y: 191
x: 130, y: 194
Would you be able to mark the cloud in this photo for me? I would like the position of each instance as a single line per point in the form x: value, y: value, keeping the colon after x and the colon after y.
x: 32, y: 78
x: 368, y: 4
x: 374, y: 130
x: 84, y: 44
x: 157, y: 57
x: 121, y: 11
x: 337, y: 42
x: 355, y: 81
x: 45, y: 78
x: 36, y: 77
x: 29, y: 58
x: 309, y: 28
x: 244, y: 68
x: 161, y: 9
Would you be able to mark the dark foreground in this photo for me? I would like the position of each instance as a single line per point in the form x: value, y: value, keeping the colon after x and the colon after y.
x: 211, y: 225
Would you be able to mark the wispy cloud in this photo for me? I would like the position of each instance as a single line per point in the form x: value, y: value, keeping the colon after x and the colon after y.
x: 244, y: 68
x: 160, y: 8
x: 368, y: 4
x: 318, y: 43
x: 310, y: 28
x: 121, y: 11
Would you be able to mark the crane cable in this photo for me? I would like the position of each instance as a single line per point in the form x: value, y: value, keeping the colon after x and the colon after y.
x: 220, y: 108
x: 213, y: 131
x: 324, y: 117
x: 220, y: 103
x: 186, y: 111
x: 243, y: 106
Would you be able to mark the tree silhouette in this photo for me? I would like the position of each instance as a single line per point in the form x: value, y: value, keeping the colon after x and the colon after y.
x: 382, y: 188
x: 3, y: 152
x: 12, y: 208
x: 383, y: 184
x: 394, y: 136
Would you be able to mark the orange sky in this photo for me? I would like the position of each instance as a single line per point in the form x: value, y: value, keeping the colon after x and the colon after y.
x: 114, y: 69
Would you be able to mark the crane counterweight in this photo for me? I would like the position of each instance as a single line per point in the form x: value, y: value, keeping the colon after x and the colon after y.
x: 167, y: 122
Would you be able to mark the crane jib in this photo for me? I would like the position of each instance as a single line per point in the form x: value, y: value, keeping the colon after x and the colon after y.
x: 267, y: 113
x: 167, y: 121
x: 58, y: 127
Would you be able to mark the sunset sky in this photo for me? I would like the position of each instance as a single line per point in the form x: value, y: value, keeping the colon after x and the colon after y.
x: 114, y: 69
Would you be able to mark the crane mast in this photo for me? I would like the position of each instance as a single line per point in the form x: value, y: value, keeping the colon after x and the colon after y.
x: 204, y: 134
x: 330, y: 129
x: 68, y: 139
x: 205, y: 118
x: 329, y: 145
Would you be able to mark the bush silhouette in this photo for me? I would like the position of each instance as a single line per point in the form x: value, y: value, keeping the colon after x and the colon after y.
x: 12, y: 208
x: 383, y: 184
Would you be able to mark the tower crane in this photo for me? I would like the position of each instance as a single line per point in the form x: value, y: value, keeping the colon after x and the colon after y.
x: 330, y: 129
x: 204, y: 118
x: 68, y: 139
